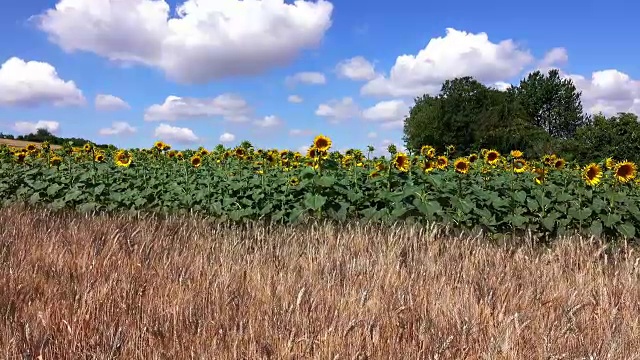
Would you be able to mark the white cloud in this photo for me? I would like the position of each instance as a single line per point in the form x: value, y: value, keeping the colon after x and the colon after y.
x: 501, y: 85
x: 106, y: 102
x: 300, y: 132
x: 554, y: 58
x: 372, y: 135
x: 608, y: 91
x: 118, y: 128
x: 198, y: 41
x: 385, y: 111
x: 268, y: 121
x: 336, y: 110
x: 227, y: 137
x: 303, y: 149
x: 25, y: 127
x: 311, y: 78
x: 356, y: 68
x: 173, y: 133
x: 228, y: 106
x: 459, y: 53
x: 294, y: 99
x: 35, y: 83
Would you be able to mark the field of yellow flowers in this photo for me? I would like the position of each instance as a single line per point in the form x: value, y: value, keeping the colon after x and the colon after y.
x: 493, y: 192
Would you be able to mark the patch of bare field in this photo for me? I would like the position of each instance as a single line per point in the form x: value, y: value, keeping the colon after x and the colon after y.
x: 122, y: 287
x: 23, y: 144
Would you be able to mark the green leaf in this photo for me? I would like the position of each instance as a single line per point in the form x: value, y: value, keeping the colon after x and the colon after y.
x: 520, y: 196
x: 326, y: 181
x: 549, y: 222
x: 626, y: 229
x: 596, y: 228
x: 579, y: 214
x: 315, y: 202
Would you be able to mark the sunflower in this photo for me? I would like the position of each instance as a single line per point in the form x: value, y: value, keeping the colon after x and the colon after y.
x: 31, y: 147
x: 559, y: 164
x: 461, y: 165
x: 516, y: 154
x: 541, y: 174
x: 55, y: 160
x: 123, y: 158
x: 401, y: 162
x: 428, y: 151
x: 347, y: 161
x: 483, y: 152
x: 99, y: 157
x: 374, y: 174
x: 171, y: 154
x: 492, y: 157
x: 609, y: 163
x: 312, y: 152
x: 294, y: 181
x: 592, y: 174
x: 380, y: 166
x: 87, y: 147
x: 203, y: 152
x: 549, y: 159
x: 322, y: 143
x: 442, y: 162
x: 428, y: 166
x: 625, y: 171
x: 159, y: 145
x: 473, y: 158
x: 166, y: 147
x: 519, y: 166
x: 196, y: 161
x: 179, y: 155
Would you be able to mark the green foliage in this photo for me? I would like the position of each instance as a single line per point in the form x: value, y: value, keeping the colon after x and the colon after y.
x: 43, y: 135
x: 616, y: 136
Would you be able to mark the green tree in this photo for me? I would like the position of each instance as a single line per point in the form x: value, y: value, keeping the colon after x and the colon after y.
x: 551, y: 103
x: 617, y: 136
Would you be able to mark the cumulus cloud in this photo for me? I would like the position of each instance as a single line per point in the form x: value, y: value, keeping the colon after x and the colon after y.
x: 555, y: 57
x: 227, y: 138
x: 118, y: 128
x: 268, y: 121
x: 105, y: 102
x: 608, y: 91
x: 197, y: 41
x: 25, y: 127
x: 300, y: 132
x: 34, y: 83
x: 310, y: 78
x: 356, y: 68
x: 372, y: 135
x: 180, y: 135
x: 228, y: 106
x: 294, y: 99
x: 458, y: 53
x: 337, y: 110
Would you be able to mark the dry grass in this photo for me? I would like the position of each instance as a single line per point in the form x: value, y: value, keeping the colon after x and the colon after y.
x: 76, y: 287
x: 23, y: 144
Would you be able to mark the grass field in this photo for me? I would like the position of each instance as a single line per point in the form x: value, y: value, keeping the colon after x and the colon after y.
x: 124, y: 287
x: 23, y: 144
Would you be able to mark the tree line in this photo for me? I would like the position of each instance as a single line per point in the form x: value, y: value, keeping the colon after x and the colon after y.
x: 541, y: 115
x: 42, y: 135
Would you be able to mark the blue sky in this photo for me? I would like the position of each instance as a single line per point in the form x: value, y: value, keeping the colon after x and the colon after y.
x: 126, y: 49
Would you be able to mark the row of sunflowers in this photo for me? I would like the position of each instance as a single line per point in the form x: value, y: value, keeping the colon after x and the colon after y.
x: 489, y: 191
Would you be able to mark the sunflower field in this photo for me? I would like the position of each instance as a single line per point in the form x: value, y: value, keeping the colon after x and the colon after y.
x: 497, y: 193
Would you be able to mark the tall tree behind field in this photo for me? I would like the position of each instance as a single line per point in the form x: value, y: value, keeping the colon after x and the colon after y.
x: 552, y: 103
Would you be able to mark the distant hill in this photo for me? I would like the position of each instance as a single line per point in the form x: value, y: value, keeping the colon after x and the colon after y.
x: 43, y: 135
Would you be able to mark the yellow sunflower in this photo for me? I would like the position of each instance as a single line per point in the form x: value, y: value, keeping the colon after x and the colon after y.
x: 99, y: 157
x: 428, y: 166
x: 240, y: 153
x: 473, y: 158
x: 625, y: 171
x: 401, y: 162
x: 312, y: 152
x: 492, y: 157
x: 322, y: 143
x: 380, y: 166
x: 179, y: 155
x: 123, y: 158
x: 609, y: 163
x: 541, y: 174
x: 31, y: 147
x: 559, y: 164
x: 461, y: 165
x: 442, y: 162
x: 294, y: 181
x: 55, y: 160
x: 159, y: 145
x: 166, y: 147
x: 428, y: 151
x: 196, y: 161
x: 87, y: 147
x: 519, y: 166
x: 516, y: 154
x: 592, y: 174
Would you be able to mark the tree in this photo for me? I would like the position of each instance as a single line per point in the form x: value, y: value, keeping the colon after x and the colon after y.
x: 616, y: 136
x: 551, y: 103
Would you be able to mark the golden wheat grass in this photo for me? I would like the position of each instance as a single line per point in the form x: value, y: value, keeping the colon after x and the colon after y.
x: 126, y: 287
